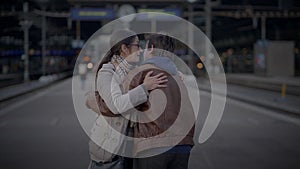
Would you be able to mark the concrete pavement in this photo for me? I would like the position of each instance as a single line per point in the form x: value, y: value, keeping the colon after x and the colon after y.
x: 267, y: 83
x: 261, y: 91
x: 44, y: 129
x: 13, y: 91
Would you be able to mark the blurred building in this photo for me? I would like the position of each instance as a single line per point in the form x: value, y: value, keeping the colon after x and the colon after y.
x: 236, y: 25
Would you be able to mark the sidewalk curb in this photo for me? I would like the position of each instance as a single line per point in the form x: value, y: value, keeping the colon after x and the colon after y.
x: 256, y: 102
x: 39, y: 85
x: 292, y: 88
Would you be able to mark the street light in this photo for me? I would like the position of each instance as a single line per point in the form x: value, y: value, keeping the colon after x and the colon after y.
x: 26, y: 24
x: 43, y: 5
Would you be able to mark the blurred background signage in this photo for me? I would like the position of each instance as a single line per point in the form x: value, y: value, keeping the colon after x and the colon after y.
x: 171, y: 11
x: 92, y: 14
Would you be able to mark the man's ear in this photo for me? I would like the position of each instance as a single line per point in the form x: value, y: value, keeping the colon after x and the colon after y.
x: 124, y: 49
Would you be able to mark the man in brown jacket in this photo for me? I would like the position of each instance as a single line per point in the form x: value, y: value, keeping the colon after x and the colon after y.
x: 164, y: 126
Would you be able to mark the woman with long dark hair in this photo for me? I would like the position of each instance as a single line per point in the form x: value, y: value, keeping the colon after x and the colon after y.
x: 111, y: 70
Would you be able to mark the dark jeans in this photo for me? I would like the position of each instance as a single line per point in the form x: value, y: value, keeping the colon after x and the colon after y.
x: 128, y: 163
x: 117, y: 163
x: 166, y: 160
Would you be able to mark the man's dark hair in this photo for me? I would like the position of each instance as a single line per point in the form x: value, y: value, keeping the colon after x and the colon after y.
x: 162, y: 41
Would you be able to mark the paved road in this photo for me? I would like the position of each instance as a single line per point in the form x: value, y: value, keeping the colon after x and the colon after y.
x: 250, y: 137
x: 42, y: 131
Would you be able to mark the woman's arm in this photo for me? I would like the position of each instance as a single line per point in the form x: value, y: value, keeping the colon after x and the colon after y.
x: 111, y: 93
x: 116, y: 101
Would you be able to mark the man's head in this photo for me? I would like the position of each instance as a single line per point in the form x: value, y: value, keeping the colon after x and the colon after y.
x: 164, y: 45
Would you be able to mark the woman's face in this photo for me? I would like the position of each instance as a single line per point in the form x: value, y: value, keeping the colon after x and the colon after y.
x: 134, y: 51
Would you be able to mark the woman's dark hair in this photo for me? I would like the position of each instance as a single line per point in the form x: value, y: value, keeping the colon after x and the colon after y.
x: 117, y: 39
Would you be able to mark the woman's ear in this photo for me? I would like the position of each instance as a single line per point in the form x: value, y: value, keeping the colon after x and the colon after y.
x: 124, y: 49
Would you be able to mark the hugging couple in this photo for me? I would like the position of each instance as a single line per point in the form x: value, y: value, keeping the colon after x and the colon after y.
x: 145, y: 118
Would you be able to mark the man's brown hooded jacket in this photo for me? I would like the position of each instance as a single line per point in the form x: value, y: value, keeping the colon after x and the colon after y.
x: 167, y: 119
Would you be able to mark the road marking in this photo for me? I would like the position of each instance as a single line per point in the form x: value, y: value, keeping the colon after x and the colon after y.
x: 267, y: 112
x: 258, y: 109
x: 20, y: 103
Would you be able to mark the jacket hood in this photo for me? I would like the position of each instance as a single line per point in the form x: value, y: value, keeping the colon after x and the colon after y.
x: 163, y: 63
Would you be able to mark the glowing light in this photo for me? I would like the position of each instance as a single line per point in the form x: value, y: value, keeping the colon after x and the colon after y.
x: 200, y: 66
x: 296, y: 50
x: 90, y: 65
x: 86, y: 58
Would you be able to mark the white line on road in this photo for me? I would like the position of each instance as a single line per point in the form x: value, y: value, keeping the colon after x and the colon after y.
x: 258, y: 109
x: 20, y: 103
